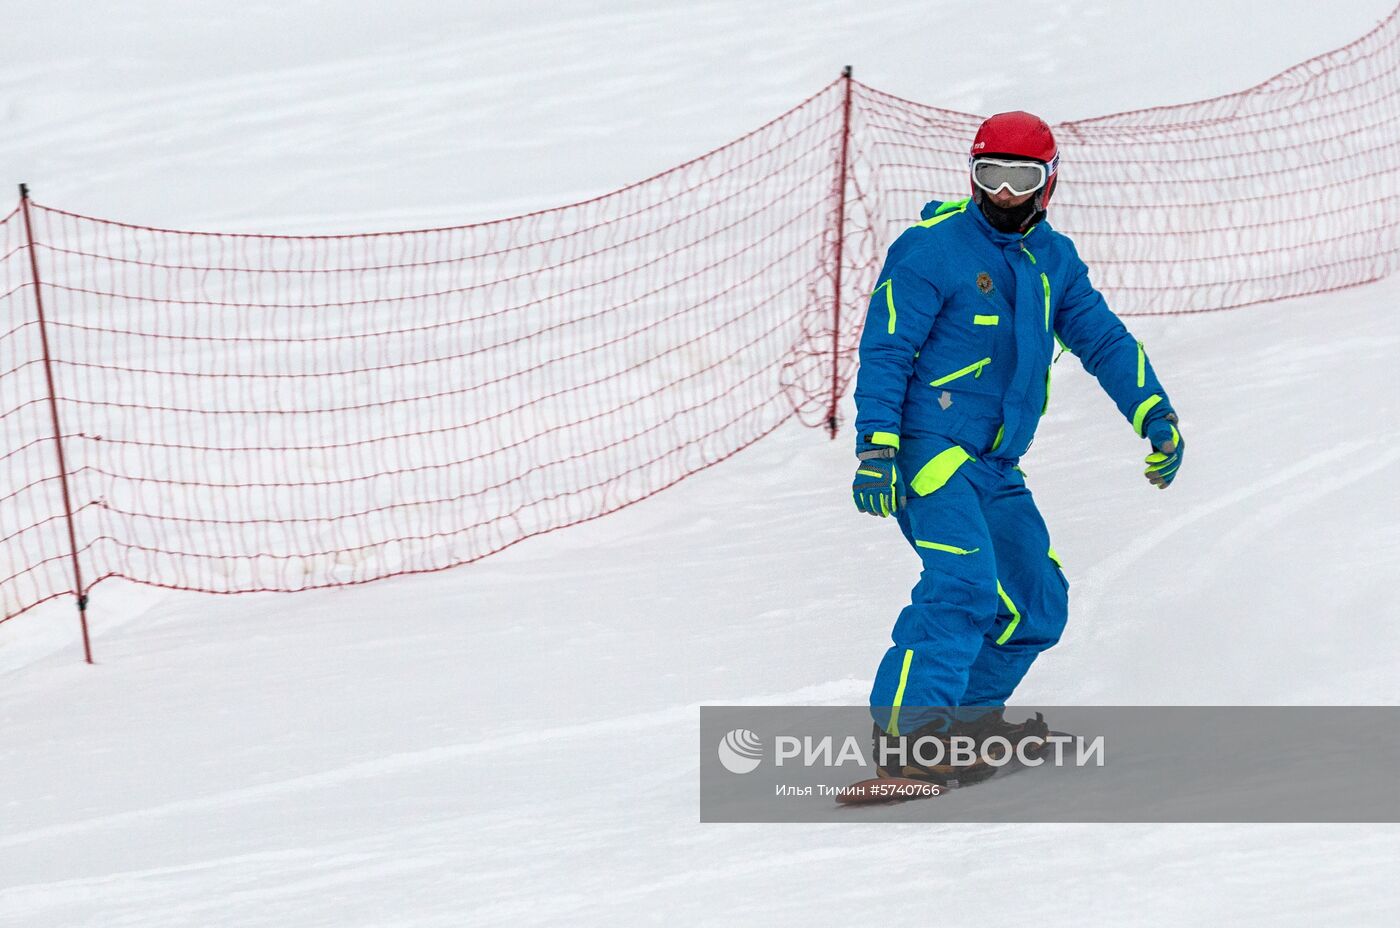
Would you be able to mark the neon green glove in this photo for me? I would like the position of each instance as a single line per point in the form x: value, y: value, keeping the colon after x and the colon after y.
x: 876, y: 487
x: 1168, y: 446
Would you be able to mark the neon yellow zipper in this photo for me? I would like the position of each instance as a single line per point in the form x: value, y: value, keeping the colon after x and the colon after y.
x: 1044, y: 281
x: 973, y: 369
x: 951, y: 549
x: 1142, y: 366
x: 888, y: 287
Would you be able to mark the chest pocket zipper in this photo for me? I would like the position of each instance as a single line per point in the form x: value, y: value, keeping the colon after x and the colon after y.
x: 974, y: 369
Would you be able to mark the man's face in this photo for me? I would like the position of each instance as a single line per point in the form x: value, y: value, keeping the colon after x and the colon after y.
x: 1000, y: 176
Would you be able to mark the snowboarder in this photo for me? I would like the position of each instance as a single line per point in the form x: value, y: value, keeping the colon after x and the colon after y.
x: 954, y: 377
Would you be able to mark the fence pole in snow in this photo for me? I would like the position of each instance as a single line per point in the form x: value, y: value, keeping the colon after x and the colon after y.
x: 840, y: 248
x: 53, y: 414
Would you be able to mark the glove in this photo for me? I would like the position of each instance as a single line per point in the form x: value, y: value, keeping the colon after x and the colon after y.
x: 876, y: 487
x: 1167, y: 447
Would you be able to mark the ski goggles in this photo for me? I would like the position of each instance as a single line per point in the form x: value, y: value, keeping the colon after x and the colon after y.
x: 1019, y: 177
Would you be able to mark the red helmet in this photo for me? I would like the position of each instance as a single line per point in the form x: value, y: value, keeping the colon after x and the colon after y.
x: 1020, y: 135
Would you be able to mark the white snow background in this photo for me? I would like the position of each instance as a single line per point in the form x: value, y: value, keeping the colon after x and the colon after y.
x: 513, y: 742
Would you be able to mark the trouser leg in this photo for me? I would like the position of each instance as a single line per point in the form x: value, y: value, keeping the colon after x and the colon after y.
x: 938, y: 635
x: 1033, y: 596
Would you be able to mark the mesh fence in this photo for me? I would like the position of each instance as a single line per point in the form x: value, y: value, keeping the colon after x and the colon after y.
x: 1282, y: 190
x: 245, y: 412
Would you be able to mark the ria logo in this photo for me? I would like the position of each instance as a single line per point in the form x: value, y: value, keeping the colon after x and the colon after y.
x: 740, y: 751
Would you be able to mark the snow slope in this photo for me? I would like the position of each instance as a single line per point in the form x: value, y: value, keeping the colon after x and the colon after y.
x: 514, y: 742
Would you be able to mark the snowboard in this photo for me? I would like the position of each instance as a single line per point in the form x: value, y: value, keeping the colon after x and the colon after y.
x: 890, y: 790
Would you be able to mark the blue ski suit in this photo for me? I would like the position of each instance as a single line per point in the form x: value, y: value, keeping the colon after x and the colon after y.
x: 955, y: 374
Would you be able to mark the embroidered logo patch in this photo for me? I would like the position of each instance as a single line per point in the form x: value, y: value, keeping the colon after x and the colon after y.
x: 984, y: 282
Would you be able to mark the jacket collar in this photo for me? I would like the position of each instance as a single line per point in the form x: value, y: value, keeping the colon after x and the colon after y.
x: 997, y: 237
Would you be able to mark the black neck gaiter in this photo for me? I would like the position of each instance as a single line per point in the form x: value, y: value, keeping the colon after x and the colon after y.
x: 1016, y: 219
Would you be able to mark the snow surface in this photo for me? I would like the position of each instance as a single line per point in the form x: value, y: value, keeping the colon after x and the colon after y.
x: 514, y: 742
